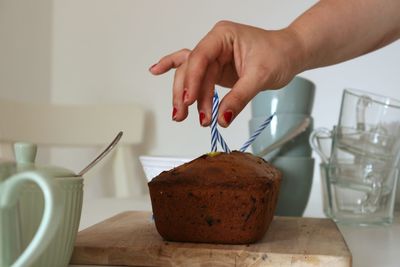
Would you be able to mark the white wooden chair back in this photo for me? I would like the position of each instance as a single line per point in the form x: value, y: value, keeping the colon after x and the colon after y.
x: 91, y: 125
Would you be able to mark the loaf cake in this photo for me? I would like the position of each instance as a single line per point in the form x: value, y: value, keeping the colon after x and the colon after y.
x: 226, y: 198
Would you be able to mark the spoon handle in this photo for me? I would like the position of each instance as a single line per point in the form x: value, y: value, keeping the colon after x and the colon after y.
x: 292, y: 133
x: 102, y: 154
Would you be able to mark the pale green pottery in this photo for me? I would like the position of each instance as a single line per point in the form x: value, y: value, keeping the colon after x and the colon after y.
x: 13, y: 178
x: 297, y: 177
x: 297, y: 97
x: 57, y: 250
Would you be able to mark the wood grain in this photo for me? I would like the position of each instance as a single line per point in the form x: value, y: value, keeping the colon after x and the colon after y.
x: 130, y: 239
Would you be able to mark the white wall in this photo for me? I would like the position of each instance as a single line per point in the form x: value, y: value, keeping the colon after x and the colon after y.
x: 101, y: 50
x: 25, y: 49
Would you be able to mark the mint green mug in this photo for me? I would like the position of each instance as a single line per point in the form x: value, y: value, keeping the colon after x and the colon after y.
x: 32, y: 205
x: 11, y: 184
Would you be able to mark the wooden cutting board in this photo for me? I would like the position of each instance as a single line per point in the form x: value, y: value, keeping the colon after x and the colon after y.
x: 131, y: 239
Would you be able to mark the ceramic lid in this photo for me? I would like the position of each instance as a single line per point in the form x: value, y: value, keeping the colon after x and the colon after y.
x: 25, y: 154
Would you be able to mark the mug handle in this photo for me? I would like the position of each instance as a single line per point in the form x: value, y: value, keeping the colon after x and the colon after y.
x: 362, y: 104
x: 322, y: 131
x: 46, y: 230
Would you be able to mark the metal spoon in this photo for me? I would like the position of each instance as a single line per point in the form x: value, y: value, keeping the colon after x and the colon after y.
x: 102, y: 154
x: 292, y: 133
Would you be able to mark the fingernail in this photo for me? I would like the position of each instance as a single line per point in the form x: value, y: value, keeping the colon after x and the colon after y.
x: 174, y: 110
x: 152, y: 66
x: 228, y: 116
x: 202, y: 116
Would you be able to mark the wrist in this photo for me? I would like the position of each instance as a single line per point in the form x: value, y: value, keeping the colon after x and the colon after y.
x: 299, y: 57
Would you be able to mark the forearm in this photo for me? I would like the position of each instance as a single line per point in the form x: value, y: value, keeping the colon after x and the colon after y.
x: 333, y: 31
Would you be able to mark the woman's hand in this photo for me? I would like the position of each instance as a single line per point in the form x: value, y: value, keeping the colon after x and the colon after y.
x: 243, y: 58
x: 248, y: 59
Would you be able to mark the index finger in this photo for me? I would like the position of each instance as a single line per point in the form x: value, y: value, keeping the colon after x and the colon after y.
x: 171, y: 61
x: 207, y: 52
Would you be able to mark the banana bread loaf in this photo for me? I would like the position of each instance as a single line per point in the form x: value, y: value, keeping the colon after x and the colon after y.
x: 226, y: 198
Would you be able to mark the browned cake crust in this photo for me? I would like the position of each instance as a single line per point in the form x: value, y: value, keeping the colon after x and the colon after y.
x: 227, y: 198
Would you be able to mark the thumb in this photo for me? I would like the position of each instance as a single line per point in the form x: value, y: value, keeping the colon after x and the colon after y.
x: 244, y: 90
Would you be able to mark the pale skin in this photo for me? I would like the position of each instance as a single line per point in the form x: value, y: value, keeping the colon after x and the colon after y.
x: 248, y: 60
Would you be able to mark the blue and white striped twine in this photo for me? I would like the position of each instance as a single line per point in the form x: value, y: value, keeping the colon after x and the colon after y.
x: 215, y: 134
x: 222, y: 142
x: 217, y: 137
x: 257, y: 133
x: 214, y: 117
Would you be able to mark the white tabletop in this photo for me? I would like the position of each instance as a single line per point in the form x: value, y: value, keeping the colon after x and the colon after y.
x: 375, y: 246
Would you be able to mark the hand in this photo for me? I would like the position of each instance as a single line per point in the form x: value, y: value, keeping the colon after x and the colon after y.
x: 243, y: 58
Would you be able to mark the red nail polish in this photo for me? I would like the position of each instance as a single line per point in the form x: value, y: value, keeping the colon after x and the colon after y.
x: 174, y: 113
x: 202, y: 116
x: 228, y: 116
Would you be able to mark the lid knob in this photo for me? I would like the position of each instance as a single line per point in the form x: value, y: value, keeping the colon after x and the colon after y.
x: 25, y: 152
